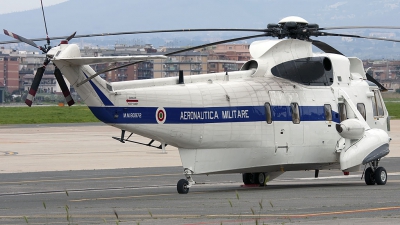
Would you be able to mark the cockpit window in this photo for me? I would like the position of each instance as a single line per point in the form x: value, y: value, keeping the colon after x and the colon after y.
x: 361, y: 109
x: 378, y: 102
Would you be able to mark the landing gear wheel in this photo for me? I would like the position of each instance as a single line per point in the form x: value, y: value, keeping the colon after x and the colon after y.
x: 247, y: 178
x: 261, y: 179
x: 380, y: 176
x: 369, y: 176
x: 182, y: 186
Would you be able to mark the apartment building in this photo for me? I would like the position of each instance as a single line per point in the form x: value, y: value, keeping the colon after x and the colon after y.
x: 9, y: 72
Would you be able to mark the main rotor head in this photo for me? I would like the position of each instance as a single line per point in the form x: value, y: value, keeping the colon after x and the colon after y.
x: 292, y: 27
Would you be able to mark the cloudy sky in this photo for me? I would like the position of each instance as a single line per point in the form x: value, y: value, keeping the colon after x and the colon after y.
x: 23, y: 5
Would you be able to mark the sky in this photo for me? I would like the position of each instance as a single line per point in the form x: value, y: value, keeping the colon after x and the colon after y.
x: 64, y: 17
x: 23, y: 5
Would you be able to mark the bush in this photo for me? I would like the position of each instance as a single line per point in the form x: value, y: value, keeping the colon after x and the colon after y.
x: 18, y: 99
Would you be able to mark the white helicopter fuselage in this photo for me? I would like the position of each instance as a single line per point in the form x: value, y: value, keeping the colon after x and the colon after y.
x: 252, y: 120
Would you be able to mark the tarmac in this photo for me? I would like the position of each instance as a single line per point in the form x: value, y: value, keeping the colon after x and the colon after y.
x: 90, y: 146
x: 78, y: 174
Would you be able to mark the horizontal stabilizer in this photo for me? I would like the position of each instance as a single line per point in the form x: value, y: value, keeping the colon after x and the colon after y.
x: 108, y: 59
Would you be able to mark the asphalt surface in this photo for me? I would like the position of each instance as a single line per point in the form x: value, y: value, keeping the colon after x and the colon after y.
x: 149, y: 196
x: 78, y: 174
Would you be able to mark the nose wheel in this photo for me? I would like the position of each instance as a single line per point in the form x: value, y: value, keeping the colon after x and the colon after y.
x: 183, y: 185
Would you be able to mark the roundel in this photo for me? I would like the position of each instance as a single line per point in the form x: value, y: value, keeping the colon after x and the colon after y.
x: 161, y: 115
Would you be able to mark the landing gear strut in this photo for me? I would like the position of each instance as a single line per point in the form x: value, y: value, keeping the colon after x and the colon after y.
x: 183, y: 185
x: 375, y: 174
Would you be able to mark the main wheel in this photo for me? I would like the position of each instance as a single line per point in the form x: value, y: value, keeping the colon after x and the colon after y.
x: 182, y: 186
x: 261, y: 179
x: 248, y: 178
x: 369, y: 176
x: 380, y: 176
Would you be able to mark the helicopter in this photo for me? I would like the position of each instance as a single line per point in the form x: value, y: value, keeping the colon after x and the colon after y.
x: 286, y: 109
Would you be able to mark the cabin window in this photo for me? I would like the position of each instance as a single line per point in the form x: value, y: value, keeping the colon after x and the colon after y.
x: 295, y: 113
x: 342, y: 112
x: 361, y: 109
x: 328, y: 112
x: 268, y: 114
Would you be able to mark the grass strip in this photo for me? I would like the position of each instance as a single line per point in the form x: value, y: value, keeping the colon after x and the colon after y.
x: 393, y: 109
x: 46, y: 114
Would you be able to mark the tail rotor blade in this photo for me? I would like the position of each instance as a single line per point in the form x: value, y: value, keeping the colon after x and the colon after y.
x: 63, y: 86
x: 35, y: 85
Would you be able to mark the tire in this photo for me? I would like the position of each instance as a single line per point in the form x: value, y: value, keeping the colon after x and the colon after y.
x: 369, y: 176
x: 261, y: 179
x: 247, y: 178
x: 182, y: 186
x: 254, y: 179
x: 380, y: 176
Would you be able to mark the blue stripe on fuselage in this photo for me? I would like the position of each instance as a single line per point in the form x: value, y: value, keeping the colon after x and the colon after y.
x: 147, y: 115
x: 101, y: 95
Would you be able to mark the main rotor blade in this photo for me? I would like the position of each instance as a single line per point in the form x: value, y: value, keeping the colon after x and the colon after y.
x: 172, y: 53
x: 358, y: 27
x: 63, y: 86
x: 169, y: 31
x: 20, y: 39
x: 354, y: 36
x: 325, y: 47
x: 216, y: 43
x: 71, y: 36
x: 372, y: 79
x: 45, y: 24
x: 139, y: 32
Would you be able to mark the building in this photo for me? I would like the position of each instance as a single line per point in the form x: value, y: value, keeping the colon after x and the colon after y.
x: 9, y: 72
x: 386, y: 72
x: 191, y: 63
x: 227, y: 57
x: 234, y: 52
x: 48, y: 84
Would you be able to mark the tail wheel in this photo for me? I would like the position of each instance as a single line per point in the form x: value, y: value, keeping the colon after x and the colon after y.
x: 380, y: 176
x: 369, y: 176
x: 182, y: 186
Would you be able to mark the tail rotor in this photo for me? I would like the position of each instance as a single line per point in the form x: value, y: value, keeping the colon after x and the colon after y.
x: 40, y: 71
